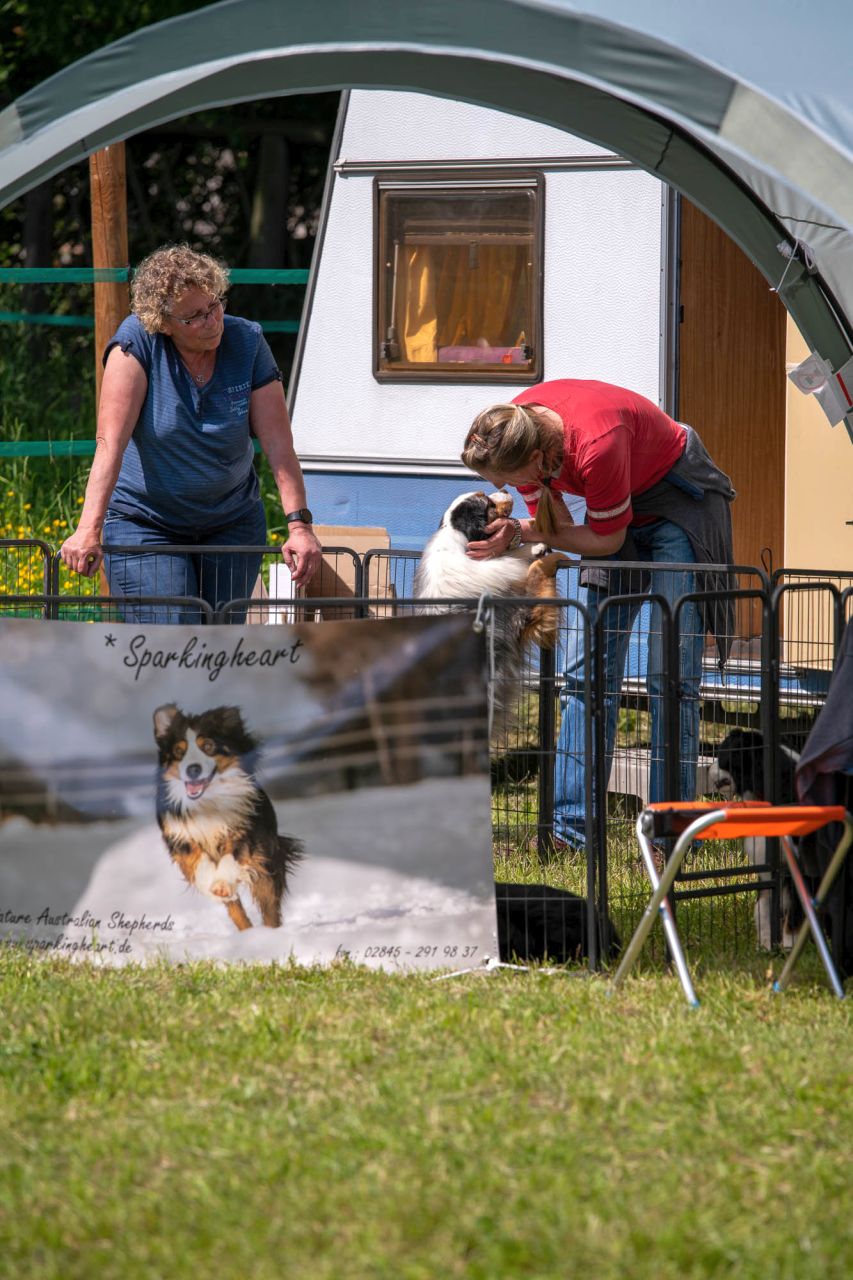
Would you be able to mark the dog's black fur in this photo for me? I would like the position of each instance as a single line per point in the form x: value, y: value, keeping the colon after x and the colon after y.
x: 741, y: 756
x: 538, y: 922
x: 739, y: 774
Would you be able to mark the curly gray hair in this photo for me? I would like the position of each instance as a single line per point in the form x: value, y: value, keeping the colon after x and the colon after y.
x: 165, y: 275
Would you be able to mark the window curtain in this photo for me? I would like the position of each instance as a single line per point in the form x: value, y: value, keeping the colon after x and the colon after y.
x: 460, y: 295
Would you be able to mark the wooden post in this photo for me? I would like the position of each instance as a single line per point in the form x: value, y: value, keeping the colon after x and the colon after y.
x: 108, y: 193
x: 108, y: 187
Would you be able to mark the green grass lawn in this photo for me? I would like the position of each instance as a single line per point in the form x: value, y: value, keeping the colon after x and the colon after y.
x: 270, y: 1122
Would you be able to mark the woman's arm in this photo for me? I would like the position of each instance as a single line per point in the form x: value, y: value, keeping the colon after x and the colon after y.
x: 123, y: 391
x: 578, y: 539
x: 271, y: 424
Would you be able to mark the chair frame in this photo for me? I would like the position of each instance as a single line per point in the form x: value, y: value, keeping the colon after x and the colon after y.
x: 699, y: 820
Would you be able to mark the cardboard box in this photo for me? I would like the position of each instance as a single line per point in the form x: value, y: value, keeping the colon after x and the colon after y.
x: 337, y: 575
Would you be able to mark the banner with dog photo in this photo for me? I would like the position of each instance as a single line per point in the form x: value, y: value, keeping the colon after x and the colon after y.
x: 314, y: 791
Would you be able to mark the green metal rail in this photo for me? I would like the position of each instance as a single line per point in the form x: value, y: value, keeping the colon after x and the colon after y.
x: 56, y: 448
x: 118, y: 275
x: 112, y: 275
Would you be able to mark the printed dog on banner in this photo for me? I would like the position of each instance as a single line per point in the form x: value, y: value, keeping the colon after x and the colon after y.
x: 366, y: 813
x: 217, y: 822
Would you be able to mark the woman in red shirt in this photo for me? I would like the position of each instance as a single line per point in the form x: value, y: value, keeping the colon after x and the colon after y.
x: 652, y: 495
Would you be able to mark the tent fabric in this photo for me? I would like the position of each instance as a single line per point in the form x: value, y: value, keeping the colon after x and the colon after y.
x: 745, y: 106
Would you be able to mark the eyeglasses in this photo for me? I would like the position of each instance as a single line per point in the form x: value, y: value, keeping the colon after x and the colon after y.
x: 198, y: 318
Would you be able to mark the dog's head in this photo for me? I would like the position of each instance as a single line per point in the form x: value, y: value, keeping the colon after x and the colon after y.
x: 471, y: 512
x: 198, y: 752
x: 739, y: 767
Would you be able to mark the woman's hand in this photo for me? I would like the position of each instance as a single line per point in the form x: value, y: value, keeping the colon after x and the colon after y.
x: 83, y: 552
x: 301, y: 553
x: 500, y: 534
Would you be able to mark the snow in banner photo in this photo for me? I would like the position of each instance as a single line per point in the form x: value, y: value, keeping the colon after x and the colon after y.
x: 246, y: 793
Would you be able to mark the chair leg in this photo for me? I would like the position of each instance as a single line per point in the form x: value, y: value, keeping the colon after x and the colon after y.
x: 659, y: 903
x: 811, y: 906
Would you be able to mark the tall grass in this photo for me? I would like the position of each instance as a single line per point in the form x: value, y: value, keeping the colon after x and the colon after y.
x: 47, y: 375
x: 48, y: 391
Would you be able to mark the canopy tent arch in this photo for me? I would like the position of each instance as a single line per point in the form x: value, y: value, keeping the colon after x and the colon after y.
x: 729, y: 113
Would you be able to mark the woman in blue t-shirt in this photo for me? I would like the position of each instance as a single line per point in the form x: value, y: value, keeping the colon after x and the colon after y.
x: 185, y: 388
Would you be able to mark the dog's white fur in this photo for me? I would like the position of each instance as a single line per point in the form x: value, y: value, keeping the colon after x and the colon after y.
x: 446, y: 571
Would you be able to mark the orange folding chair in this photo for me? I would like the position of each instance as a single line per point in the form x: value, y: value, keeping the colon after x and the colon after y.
x: 698, y: 820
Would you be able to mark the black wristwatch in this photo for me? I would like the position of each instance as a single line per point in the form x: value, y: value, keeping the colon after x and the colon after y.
x: 302, y: 516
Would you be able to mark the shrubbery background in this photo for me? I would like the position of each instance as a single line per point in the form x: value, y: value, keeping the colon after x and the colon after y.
x: 244, y: 183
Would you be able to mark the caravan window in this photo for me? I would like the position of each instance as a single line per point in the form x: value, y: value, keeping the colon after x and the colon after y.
x: 459, y: 280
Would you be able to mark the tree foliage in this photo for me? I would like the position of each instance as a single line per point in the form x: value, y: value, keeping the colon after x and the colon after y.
x: 39, y: 39
x: 196, y: 178
x: 242, y: 182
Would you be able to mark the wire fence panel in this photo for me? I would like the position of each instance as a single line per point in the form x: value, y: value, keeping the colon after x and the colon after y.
x: 216, y: 574
x: 810, y: 615
x: 26, y: 606
x: 112, y: 609
x: 631, y: 704
x: 661, y: 707
x: 390, y: 576
x: 25, y: 568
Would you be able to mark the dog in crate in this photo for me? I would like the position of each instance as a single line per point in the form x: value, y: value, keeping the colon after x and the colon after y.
x: 219, y: 826
x: 446, y: 571
x: 537, y: 922
x: 738, y: 774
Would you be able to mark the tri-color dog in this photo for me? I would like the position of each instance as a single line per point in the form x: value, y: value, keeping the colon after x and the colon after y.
x: 446, y: 571
x: 219, y: 826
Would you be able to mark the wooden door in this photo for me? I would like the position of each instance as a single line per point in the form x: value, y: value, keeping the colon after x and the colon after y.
x: 731, y: 384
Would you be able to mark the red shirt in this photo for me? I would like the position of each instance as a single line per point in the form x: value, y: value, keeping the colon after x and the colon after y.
x: 616, y: 443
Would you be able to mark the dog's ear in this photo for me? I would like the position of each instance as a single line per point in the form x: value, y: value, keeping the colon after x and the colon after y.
x: 501, y: 502
x: 471, y: 516
x: 163, y: 719
x: 227, y: 723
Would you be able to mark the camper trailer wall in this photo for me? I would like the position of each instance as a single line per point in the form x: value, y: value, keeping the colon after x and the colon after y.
x: 387, y: 453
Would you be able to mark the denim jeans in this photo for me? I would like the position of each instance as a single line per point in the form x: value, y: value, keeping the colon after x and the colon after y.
x: 659, y: 544
x: 214, y: 578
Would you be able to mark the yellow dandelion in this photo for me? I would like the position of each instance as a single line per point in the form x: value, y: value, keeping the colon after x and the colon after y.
x: 11, y: 493
x: 28, y: 506
x: 79, y: 502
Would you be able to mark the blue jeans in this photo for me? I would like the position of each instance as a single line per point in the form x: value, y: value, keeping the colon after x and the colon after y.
x: 659, y: 544
x: 211, y: 577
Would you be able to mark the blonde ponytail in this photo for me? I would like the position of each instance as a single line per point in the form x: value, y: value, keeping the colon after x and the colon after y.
x: 545, y: 522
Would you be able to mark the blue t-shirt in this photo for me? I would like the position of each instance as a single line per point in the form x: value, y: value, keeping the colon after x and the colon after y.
x: 188, y: 464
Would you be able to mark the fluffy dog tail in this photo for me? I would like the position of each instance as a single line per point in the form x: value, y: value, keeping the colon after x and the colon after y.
x: 542, y: 623
x: 290, y: 852
x: 517, y: 627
